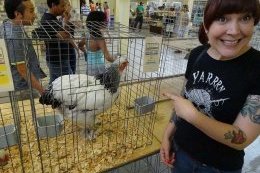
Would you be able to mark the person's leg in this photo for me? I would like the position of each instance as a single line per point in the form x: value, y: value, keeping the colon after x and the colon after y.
x: 26, y: 94
x: 73, y: 60
x: 183, y: 162
x: 91, y: 70
x: 58, y: 69
x: 202, y: 168
x: 136, y: 21
x: 65, y: 68
x: 180, y: 32
x: 141, y: 22
x: 53, y: 69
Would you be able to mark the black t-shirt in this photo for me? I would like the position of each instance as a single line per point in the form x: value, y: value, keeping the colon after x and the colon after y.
x: 219, y: 89
x: 56, y: 49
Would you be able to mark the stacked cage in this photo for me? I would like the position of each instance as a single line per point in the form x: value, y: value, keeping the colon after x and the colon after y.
x: 39, y: 138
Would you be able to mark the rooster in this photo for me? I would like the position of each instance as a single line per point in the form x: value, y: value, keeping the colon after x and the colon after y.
x: 4, y: 157
x: 80, y: 97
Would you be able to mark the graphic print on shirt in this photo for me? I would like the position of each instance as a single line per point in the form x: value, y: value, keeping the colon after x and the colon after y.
x: 203, y: 88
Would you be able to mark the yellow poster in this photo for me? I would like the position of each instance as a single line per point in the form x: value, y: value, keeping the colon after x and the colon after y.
x: 6, y: 80
x: 152, y: 54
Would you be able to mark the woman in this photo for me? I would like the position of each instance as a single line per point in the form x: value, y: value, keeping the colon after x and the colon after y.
x: 97, y: 50
x: 184, y: 21
x: 218, y: 115
x: 107, y: 13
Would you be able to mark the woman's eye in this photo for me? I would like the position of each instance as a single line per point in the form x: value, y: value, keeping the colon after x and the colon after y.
x: 221, y: 19
x: 247, y: 18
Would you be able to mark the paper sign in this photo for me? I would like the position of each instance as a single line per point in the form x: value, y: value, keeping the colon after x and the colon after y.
x: 152, y: 54
x: 6, y: 80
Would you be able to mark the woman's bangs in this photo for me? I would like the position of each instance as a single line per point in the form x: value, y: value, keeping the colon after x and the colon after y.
x: 236, y: 6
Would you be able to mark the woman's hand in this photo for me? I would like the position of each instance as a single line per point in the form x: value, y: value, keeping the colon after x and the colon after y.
x: 167, y: 157
x: 183, y: 107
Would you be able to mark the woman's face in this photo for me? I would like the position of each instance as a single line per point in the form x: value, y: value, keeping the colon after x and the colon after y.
x: 229, y: 35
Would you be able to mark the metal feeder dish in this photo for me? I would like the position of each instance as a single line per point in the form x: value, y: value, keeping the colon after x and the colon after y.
x: 8, y: 136
x: 144, y: 105
x: 49, y: 126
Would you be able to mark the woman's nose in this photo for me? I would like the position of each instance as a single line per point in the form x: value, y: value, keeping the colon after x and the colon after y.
x: 233, y: 28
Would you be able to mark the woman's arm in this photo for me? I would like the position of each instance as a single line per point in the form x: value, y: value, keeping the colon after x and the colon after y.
x: 238, y: 135
x: 241, y: 133
x: 81, y: 45
x: 102, y: 44
x: 166, y: 154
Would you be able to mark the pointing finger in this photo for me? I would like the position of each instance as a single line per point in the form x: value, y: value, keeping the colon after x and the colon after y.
x: 170, y: 96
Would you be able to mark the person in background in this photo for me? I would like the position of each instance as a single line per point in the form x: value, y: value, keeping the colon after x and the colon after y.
x: 139, y: 16
x: 84, y: 8
x: 99, y: 7
x: 57, y: 40
x: 217, y: 115
x: 107, y: 13
x: 151, y: 10
x: 70, y: 27
x: 184, y: 21
x: 92, y: 6
x: 170, y: 22
x: 97, y: 51
x: 25, y: 66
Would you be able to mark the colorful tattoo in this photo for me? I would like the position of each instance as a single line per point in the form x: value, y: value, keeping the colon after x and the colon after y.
x: 252, y: 108
x: 237, y: 137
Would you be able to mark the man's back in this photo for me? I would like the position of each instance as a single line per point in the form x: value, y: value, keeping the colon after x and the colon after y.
x: 140, y: 10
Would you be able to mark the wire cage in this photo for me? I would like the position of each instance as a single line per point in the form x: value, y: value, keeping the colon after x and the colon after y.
x: 42, y: 139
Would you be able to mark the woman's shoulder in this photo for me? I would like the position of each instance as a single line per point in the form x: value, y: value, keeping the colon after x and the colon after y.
x: 197, y: 50
x: 255, y: 56
x: 255, y: 53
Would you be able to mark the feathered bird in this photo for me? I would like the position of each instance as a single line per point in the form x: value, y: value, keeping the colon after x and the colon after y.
x: 4, y: 157
x: 81, y: 97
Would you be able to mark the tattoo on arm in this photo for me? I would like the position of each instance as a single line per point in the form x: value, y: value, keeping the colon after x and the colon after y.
x: 252, y: 108
x: 236, y: 136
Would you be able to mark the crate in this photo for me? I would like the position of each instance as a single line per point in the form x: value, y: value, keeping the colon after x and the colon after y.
x: 144, y: 105
x: 49, y: 126
x: 8, y: 136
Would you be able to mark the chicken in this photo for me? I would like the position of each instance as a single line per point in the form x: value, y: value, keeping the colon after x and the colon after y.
x: 80, y: 97
x: 4, y: 157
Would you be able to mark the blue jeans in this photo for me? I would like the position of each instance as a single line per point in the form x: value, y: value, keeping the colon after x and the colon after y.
x: 72, y: 54
x: 185, y: 164
x: 58, y: 69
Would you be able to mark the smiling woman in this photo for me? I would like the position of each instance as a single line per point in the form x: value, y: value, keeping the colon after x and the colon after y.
x: 228, y: 28
x: 218, y: 114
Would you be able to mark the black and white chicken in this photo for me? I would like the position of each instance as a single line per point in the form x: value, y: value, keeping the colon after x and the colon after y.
x: 80, y: 97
